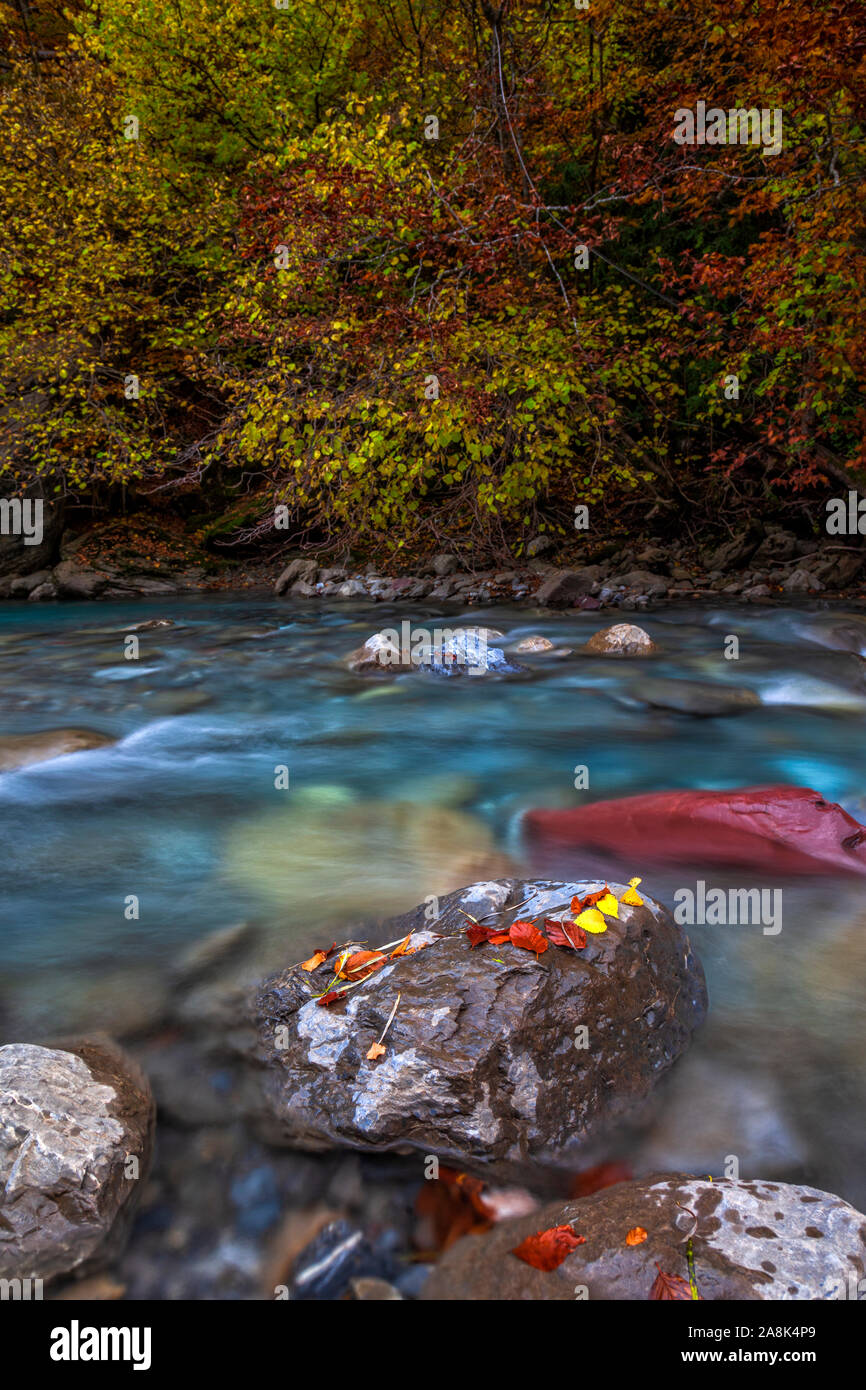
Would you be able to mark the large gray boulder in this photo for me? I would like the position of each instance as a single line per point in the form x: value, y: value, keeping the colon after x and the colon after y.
x: 487, y: 1062
x: 76, y: 1133
x: 74, y: 581
x: 749, y: 1239
x: 296, y: 570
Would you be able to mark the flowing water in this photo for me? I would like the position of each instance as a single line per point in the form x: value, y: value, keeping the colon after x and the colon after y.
x: 404, y: 787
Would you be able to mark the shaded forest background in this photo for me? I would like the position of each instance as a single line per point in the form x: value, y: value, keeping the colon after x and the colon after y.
x: 292, y: 268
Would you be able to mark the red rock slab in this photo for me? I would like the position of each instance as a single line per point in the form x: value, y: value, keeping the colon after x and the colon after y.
x: 786, y: 830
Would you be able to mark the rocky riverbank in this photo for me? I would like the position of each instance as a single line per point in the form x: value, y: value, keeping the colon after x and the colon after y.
x: 764, y: 563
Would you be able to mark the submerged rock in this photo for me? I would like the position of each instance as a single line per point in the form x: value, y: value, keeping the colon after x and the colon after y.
x: 76, y: 1132
x: 623, y: 639
x: 751, y: 1240
x: 496, y: 1059
x: 694, y: 697
x: 22, y: 750
x: 790, y: 830
x: 336, y: 860
x: 840, y: 632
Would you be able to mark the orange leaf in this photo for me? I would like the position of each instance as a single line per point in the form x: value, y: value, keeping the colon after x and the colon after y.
x: 547, y: 1249
x: 636, y: 1236
x: 361, y: 964
x: 500, y: 938
x: 403, y: 948
x: 315, y: 961
x: 318, y: 957
x: 527, y: 935
x: 377, y: 1050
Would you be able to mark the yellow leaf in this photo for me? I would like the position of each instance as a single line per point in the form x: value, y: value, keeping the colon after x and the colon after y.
x: 377, y: 1050
x: 630, y: 897
x: 608, y: 905
x: 591, y: 920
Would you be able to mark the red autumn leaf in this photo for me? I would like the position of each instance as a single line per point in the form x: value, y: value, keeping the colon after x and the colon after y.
x: 494, y: 935
x: 580, y: 904
x: 477, y: 934
x: 565, y: 935
x: 330, y: 998
x: 527, y: 935
x: 547, y: 1249
x: 669, y: 1286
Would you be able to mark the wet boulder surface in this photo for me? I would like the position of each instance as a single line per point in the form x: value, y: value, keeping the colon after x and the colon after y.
x: 750, y: 1240
x: 71, y: 1119
x: 497, y: 1059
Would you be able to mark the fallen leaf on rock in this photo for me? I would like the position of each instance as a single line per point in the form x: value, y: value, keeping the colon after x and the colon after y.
x: 562, y: 934
x: 360, y: 965
x: 377, y: 1050
x: 318, y: 958
x: 527, y: 935
x: 315, y: 961
x: 630, y: 897
x: 669, y: 1286
x: 591, y: 920
x: 578, y: 904
x: 330, y: 998
x: 609, y: 905
x: 403, y: 948
x: 494, y: 935
x: 636, y: 1236
x: 546, y: 1250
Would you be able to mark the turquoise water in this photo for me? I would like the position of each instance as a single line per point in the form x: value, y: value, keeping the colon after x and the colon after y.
x: 404, y: 787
